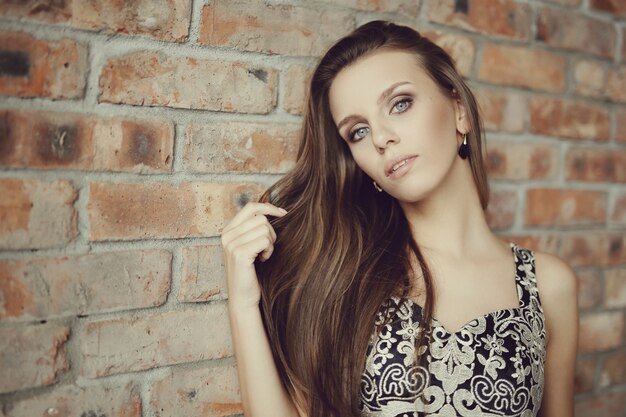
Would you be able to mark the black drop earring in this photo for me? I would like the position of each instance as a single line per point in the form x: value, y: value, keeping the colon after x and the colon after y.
x: 464, y: 148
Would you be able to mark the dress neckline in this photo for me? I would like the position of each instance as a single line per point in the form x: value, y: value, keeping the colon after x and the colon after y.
x: 513, y: 247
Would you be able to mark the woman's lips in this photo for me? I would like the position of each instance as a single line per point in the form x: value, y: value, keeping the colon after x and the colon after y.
x: 403, y: 169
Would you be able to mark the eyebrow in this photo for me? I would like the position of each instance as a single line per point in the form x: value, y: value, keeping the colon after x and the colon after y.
x: 386, y: 93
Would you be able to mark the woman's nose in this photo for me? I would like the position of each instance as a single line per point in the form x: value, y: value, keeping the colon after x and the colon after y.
x: 383, y: 136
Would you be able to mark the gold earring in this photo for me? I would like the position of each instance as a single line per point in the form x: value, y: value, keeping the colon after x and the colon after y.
x: 377, y: 187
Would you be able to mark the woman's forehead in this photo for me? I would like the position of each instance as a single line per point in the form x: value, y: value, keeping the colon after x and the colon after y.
x: 362, y: 82
x: 378, y: 66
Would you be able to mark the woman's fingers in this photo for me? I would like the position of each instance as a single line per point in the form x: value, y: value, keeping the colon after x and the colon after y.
x: 247, y: 225
x: 245, y: 247
x: 265, y: 255
x: 251, y: 209
x: 247, y: 236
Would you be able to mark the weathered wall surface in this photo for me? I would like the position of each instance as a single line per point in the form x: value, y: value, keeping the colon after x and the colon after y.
x: 130, y: 132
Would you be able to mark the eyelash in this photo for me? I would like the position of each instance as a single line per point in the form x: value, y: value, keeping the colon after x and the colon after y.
x: 407, y: 100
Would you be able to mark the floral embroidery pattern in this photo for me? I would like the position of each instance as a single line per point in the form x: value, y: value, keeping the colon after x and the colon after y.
x: 492, y: 366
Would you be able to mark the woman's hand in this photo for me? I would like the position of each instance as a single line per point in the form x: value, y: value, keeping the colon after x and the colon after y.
x: 248, y: 235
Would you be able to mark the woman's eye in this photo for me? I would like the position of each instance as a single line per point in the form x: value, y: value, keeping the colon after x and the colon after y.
x: 402, y: 105
x: 359, y: 133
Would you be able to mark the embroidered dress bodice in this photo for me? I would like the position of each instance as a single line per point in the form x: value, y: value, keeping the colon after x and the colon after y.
x: 492, y: 366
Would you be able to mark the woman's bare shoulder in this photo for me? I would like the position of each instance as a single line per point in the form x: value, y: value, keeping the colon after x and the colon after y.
x: 558, y: 290
x: 555, y: 276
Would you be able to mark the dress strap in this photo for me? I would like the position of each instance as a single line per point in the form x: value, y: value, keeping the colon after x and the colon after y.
x: 525, y: 276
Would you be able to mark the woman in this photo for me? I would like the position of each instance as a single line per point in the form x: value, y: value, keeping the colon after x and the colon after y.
x: 333, y: 275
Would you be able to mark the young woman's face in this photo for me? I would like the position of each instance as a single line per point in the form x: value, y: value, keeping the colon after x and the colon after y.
x: 387, y: 109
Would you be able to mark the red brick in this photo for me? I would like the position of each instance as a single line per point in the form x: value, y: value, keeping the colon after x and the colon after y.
x: 36, y: 139
x: 272, y: 28
x: 615, y: 288
x: 589, y: 288
x: 32, y: 356
x: 203, y: 276
x: 616, y: 84
x: 39, y: 68
x: 589, y: 78
x: 95, y: 283
x: 595, y: 164
x: 126, y: 211
x: 614, y: 370
x: 72, y: 400
x: 167, y: 20
x: 522, y: 67
x: 601, y: 331
x: 573, y: 31
x: 501, y: 209
x: 36, y: 214
x: 620, y: 126
x: 504, y: 18
x: 502, y: 110
x: 623, y: 43
x: 594, y: 249
x: 564, y: 2
x: 134, y: 344
x: 584, y: 376
x: 618, y: 210
x: 209, y: 392
x: 513, y: 160
x: 601, y: 405
x: 297, y: 79
x: 543, y: 242
x: 558, y: 207
x: 39, y: 10
x: 155, y: 79
x: 615, y: 7
x: 403, y: 7
x: 568, y: 119
x: 460, y: 48
x: 240, y: 147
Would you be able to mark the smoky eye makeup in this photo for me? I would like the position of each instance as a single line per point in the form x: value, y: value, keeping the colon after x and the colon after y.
x: 352, y: 132
x: 401, y: 98
x: 407, y: 98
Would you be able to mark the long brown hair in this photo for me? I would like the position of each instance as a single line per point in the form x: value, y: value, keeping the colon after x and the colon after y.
x: 343, y: 248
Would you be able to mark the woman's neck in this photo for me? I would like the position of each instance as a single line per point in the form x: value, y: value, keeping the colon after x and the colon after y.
x: 451, y: 221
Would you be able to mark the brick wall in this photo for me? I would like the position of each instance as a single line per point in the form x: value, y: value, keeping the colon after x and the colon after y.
x: 130, y: 132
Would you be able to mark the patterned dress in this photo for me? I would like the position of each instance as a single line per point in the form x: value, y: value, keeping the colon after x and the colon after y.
x: 492, y: 366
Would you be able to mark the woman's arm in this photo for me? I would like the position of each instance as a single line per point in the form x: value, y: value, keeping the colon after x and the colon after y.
x: 559, y: 298
x: 262, y: 392
x: 247, y: 236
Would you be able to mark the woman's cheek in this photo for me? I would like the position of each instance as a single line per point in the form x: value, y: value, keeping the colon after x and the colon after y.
x: 366, y: 165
